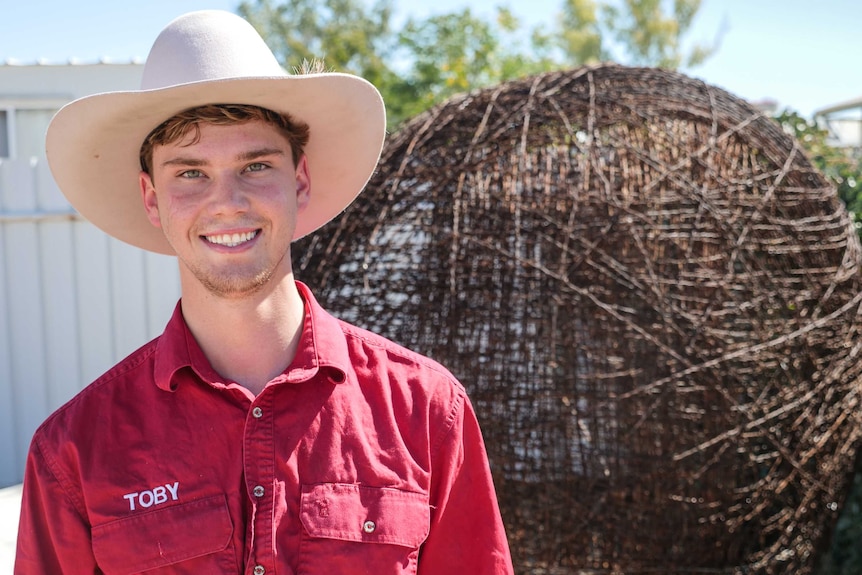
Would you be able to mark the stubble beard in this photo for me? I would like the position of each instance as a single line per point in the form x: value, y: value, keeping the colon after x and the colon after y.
x: 235, y: 281
x: 233, y: 286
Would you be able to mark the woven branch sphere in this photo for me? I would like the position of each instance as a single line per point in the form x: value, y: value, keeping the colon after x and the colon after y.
x: 653, y: 300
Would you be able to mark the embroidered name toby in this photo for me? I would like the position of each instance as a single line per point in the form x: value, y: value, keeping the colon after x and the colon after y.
x: 154, y: 496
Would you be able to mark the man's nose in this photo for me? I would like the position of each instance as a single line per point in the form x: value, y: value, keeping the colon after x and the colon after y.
x: 229, y: 194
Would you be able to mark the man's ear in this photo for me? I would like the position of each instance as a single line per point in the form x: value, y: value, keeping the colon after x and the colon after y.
x: 148, y: 194
x: 303, y: 184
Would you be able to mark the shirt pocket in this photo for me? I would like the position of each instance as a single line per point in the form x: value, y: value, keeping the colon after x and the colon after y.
x: 347, y: 525
x: 193, y: 537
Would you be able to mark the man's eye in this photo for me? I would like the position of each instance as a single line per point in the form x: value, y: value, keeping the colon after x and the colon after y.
x: 256, y: 167
x: 191, y: 174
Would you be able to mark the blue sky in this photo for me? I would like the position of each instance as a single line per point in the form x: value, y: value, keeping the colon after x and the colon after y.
x: 803, y: 54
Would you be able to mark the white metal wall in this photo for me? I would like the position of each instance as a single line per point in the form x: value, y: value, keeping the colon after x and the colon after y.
x: 72, y: 303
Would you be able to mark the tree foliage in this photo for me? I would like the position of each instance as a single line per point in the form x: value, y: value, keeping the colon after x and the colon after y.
x: 447, y: 54
x: 843, y: 169
x: 651, y: 34
x: 424, y: 61
x: 580, y: 34
x: 346, y: 35
x: 636, y: 32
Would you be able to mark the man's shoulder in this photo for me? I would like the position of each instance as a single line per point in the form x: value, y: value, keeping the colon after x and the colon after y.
x: 411, y: 387
x: 397, y: 357
x: 82, y: 409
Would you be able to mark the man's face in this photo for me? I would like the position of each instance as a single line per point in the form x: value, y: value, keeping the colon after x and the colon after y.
x: 228, y: 205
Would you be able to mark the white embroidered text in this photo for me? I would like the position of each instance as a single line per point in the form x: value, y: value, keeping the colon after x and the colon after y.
x: 154, y: 496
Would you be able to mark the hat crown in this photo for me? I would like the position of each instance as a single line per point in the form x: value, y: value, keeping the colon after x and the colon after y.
x: 207, y: 45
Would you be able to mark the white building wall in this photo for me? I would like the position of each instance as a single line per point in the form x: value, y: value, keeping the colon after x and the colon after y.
x: 843, y: 122
x: 72, y: 300
x: 845, y: 132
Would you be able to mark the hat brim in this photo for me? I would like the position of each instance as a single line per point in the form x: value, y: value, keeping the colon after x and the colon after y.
x: 93, y: 144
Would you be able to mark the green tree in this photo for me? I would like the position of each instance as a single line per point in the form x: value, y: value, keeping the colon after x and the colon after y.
x: 633, y: 32
x: 457, y: 52
x: 447, y: 54
x: 580, y: 34
x: 428, y: 60
x: 346, y: 35
x: 841, y: 168
x: 651, y: 34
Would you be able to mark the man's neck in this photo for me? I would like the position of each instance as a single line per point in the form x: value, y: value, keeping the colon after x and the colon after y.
x: 248, y: 340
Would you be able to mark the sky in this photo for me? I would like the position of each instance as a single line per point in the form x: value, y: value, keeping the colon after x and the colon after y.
x: 804, y: 55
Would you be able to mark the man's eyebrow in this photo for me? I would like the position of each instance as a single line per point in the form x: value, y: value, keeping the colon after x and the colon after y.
x: 262, y: 152
x: 242, y: 157
x: 182, y: 161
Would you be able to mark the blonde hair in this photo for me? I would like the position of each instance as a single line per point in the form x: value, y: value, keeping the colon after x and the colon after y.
x: 180, y: 125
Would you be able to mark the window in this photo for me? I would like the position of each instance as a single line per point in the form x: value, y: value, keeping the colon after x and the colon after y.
x: 22, y: 132
x: 4, y: 134
x: 30, y: 128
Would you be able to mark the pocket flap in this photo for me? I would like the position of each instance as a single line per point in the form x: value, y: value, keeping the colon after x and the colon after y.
x: 365, y: 514
x: 164, y: 536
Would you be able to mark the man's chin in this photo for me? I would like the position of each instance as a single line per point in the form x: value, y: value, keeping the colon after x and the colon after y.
x: 236, y: 287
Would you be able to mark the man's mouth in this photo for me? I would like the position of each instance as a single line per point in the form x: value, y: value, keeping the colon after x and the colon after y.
x: 231, y: 240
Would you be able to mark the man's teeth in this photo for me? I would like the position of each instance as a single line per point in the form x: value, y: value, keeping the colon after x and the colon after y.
x: 231, y: 240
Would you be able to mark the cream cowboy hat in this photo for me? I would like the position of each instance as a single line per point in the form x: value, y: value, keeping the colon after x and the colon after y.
x: 211, y: 57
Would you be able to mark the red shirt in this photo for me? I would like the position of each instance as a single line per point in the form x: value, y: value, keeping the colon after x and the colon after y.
x: 362, y: 457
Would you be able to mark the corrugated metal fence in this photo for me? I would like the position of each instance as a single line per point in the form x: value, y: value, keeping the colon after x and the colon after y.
x: 72, y: 303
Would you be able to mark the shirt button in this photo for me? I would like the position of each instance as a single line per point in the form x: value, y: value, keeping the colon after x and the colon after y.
x: 369, y: 526
x: 257, y: 413
x: 259, y: 570
x: 258, y: 491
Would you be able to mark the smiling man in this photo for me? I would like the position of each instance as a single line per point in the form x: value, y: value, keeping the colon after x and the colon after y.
x: 257, y: 434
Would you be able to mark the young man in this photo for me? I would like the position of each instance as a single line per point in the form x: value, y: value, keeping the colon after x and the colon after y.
x: 257, y: 434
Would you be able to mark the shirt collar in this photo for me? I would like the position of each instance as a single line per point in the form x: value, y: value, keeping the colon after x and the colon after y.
x: 322, y: 347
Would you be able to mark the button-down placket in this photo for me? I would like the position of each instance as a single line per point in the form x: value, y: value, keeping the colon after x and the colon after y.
x: 258, y: 472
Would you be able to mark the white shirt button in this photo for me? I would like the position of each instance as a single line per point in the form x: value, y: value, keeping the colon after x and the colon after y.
x: 259, y: 570
x: 369, y: 526
x: 258, y: 491
x: 257, y: 412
